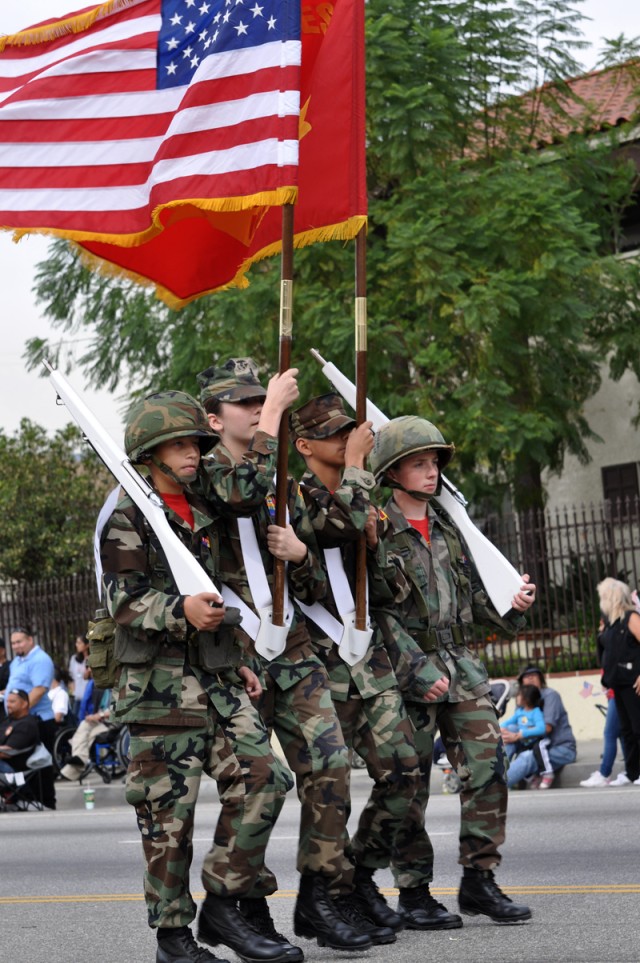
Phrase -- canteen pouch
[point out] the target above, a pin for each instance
(220, 649)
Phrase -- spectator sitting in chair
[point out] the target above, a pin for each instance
(561, 744)
(92, 726)
(19, 732)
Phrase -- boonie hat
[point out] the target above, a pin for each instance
(320, 418)
(236, 380)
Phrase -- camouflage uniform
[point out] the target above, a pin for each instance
(445, 599)
(367, 699)
(296, 703)
(185, 720)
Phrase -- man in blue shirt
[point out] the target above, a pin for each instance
(32, 670)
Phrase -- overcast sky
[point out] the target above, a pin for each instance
(24, 394)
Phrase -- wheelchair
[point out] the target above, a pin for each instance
(109, 756)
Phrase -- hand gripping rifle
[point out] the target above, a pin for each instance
(190, 577)
(501, 580)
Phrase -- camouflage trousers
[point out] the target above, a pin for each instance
(163, 781)
(471, 734)
(379, 729)
(304, 719)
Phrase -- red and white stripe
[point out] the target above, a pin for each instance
(89, 147)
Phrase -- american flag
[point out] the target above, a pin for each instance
(118, 118)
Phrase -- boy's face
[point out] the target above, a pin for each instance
(236, 421)
(418, 472)
(326, 451)
(181, 455)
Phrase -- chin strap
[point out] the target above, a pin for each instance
(164, 468)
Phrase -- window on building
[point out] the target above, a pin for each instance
(620, 485)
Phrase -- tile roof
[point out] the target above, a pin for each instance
(597, 101)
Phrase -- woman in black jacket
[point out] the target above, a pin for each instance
(619, 646)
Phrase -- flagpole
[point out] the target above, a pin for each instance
(284, 363)
(361, 405)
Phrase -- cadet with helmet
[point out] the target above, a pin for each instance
(445, 598)
(185, 692)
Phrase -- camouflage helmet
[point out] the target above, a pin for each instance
(404, 436)
(163, 416)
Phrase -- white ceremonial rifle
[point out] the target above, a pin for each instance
(500, 579)
(190, 577)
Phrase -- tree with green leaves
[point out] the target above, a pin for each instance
(51, 490)
(492, 277)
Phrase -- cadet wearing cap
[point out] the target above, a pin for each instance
(297, 703)
(445, 599)
(369, 705)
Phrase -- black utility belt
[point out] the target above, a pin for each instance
(430, 639)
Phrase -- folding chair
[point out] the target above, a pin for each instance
(23, 790)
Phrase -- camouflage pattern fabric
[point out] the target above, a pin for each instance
(404, 436)
(163, 416)
(184, 720)
(379, 729)
(319, 418)
(338, 519)
(471, 733)
(368, 703)
(163, 781)
(303, 718)
(307, 580)
(445, 590)
(236, 380)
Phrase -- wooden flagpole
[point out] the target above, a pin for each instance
(284, 363)
(361, 405)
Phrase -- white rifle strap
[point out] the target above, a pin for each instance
(352, 643)
(106, 512)
(270, 640)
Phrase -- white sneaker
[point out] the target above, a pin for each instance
(621, 780)
(596, 779)
(636, 782)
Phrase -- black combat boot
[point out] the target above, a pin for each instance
(480, 895)
(317, 918)
(372, 903)
(421, 911)
(178, 946)
(350, 911)
(256, 911)
(221, 921)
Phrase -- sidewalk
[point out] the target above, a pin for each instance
(71, 797)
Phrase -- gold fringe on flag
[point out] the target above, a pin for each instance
(59, 28)
(344, 231)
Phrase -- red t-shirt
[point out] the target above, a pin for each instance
(180, 505)
(421, 525)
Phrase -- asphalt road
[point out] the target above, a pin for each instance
(70, 881)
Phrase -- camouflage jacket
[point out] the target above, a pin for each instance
(445, 591)
(339, 519)
(306, 581)
(161, 682)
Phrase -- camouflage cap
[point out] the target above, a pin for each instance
(319, 418)
(236, 380)
(163, 416)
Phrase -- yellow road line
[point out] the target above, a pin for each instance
(613, 889)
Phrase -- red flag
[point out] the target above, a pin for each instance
(211, 152)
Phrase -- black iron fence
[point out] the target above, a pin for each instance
(566, 551)
(56, 610)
